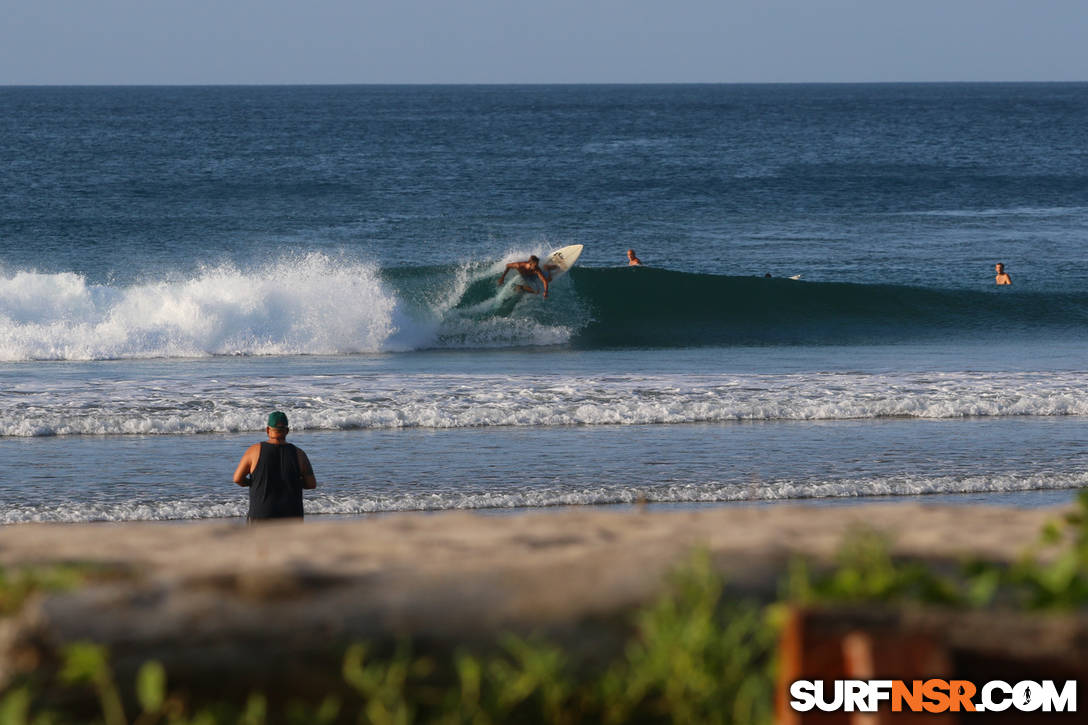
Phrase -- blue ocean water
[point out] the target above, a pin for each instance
(177, 261)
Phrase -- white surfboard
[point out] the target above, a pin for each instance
(562, 260)
(554, 266)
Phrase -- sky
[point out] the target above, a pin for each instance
(50, 42)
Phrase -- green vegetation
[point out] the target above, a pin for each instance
(696, 655)
(1051, 576)
(18, 583)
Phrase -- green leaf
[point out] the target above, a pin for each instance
(329, 710)
(84, 662)
(1051, 533)
(151, 686)
(256, 711)
(15, 707)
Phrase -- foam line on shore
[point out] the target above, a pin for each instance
(163, 406)
(319, 503)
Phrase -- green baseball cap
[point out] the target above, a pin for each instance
(276, 419)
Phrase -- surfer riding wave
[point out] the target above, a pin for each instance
(531, 271)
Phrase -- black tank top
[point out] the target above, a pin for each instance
(276, 488)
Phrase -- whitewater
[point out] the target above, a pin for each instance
(312, 304)
(350, 400)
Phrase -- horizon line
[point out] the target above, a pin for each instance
(285, 84)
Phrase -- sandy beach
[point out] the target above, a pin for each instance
(519, 567)
(447, 577)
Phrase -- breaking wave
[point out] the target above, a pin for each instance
(322, 305)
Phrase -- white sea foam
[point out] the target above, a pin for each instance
(311, 304)
(161, 405)
(215, 507)
(709, 492)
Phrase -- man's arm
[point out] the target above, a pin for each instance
(247, 465)
(511, 265)
(307, 471)
(544, 280)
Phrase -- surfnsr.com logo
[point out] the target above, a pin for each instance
(933, 696)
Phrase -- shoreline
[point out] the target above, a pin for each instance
(1025, 500)
(840, 463)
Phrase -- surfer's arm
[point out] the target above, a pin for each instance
(509, 266)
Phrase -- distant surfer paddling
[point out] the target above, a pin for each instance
(1002, 277)
(530, 271)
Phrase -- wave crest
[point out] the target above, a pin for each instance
(307, 305)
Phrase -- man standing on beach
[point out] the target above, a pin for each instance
(275, 472)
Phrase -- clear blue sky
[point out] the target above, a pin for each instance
(539, 41)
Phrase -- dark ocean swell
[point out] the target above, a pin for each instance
(662, 308)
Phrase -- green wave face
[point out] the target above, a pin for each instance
(667, 308)
(644, 307)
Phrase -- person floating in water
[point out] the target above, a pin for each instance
(530, 271)
(1002, 276)
(632, 260)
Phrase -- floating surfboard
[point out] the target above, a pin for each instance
(562, 260)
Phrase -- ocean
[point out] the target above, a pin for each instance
(177, 262)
